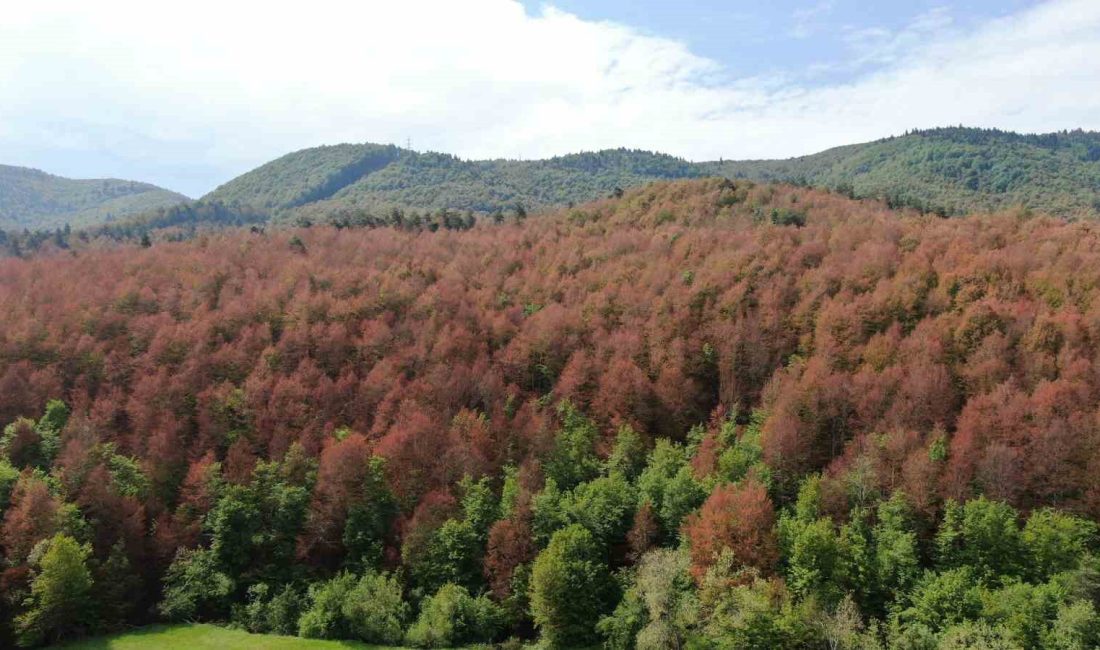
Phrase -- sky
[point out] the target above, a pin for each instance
(189, 95)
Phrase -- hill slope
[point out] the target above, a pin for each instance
(950, 171)
(323, 180)
(33, 199)
(640, 385)
(953, 171)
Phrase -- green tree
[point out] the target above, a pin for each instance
(570, 588)
(550, 512)
(620, 628)
(452, 554)
(738, 609)
(195, 588)
(117, 589)
(368, 608)
(480, 507)
(977, 635)
(815, 558)
(324, 618)
(984, 535)
(944, 599)
(1056, 542)
(664, 583)
(897, 552)
(127, 477)
(375, 609)
(271, 611)
(61, 604)
(9, 475)
(669, 484)
(49, 427)
(369, 519)
(509, 492)
(254, 527)
(452, 617)
(745, 452)
(628, 455)
(1024, 610)
(573, 459)
(1076, 627)
(605, 506)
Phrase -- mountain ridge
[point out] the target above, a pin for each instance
(949, 171)
(35, 199)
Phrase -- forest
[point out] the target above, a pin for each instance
(34, 200)
(707, 414)
(947, 171)
(953, 171)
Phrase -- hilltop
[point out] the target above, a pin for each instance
(350, 177)
(33, 199)
(952, 171)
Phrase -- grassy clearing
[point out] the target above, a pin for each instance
(207, 637)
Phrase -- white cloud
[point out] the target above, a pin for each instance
(196, 92)
(877, 45)
(807, 20)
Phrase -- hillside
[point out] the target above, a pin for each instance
(950, 172)
(947, 171)
(707, 413)
(373, 178)
(953, 171)
(34, 200)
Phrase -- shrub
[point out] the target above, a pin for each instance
(453, 617)
(195, 587)
(370, 608)
(271, 612)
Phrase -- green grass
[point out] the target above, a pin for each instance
(207, 637)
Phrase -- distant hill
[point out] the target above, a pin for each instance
(322, 180)
(950, 171)
(35, 200)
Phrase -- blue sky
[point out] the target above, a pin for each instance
(188, 95)
(818, 42)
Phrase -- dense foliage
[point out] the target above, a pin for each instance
(709, 414)
(370, 181)
(945, 171)
(190, 220)
(953, 171)
(305, 176)
(36, 200)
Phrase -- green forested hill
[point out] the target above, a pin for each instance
(305, 176)
(33, 199)
(317, 182)
(950, 171)
(953, 171)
